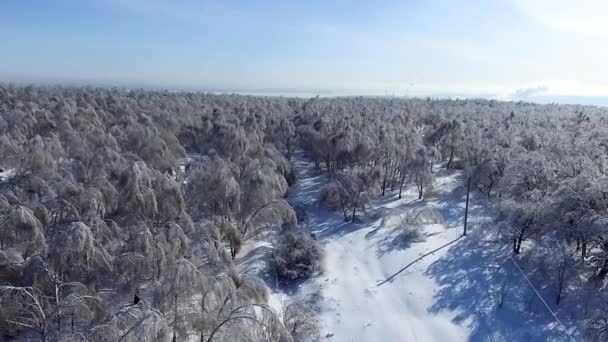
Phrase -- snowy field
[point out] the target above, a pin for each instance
(378, 286)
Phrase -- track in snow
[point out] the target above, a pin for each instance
(448, 295)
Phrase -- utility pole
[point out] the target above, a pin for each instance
(466, 208)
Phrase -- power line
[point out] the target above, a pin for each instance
(542, 299)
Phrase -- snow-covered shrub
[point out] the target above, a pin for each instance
(332, 196)
(409, 231)
(427, 216)
(416, 217)
(296, 256)
(410, 234)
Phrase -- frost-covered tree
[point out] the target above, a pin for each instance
(111, 189)
(300, 319)
(296, 256)
(133, 323)
(174, 296)
(24, 309)
(420, 171)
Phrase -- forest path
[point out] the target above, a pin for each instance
(357, 257)
(376, 286)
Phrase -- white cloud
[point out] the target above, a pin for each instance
(523, 93)
(581, 16)
(564, 87)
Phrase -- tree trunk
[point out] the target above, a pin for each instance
(560, 288)
(174, 317)
(385, 179)
(401, 185)
(383, 185)
(451, 158)
(354, 212)
(466, 207)
(520, 239)
(584, 249)
(233, 250)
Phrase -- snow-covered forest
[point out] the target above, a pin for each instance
(160, 216)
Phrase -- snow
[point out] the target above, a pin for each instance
(357, 305)
(255, 260)
(6, 174)
(379, 287)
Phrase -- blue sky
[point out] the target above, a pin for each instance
(500, 48)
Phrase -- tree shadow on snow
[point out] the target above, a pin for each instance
(474, 278)
(451, 205)
(306, 191)
(397, 234)
(258, 262)
(387, 203)
(330, 226)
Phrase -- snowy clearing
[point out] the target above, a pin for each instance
(379, 286)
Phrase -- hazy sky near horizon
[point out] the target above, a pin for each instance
(518, 49)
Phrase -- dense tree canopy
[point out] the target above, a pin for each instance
(107, 195)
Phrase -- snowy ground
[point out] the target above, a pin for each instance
(376, 287)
